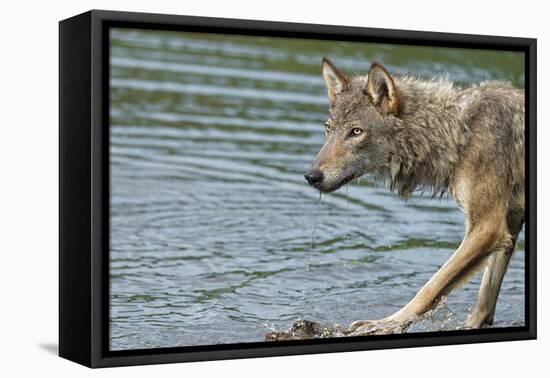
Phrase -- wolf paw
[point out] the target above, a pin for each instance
(378, 327)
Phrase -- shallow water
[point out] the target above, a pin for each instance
(212, 221)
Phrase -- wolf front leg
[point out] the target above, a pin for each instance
(489, 289)
(494, 274)
(480, 240)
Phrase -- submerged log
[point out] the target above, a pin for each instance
(307, 329)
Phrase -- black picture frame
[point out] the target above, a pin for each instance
(84, 188)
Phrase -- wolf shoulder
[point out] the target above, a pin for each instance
(492, 97)
(494, 105)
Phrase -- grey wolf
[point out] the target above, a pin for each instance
(414, 133)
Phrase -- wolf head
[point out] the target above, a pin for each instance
(358, 132)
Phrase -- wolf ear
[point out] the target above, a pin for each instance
(335, 80)
(381, 89)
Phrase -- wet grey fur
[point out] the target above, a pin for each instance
(437, 122)
(432, 135)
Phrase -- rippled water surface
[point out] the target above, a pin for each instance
(211, 219)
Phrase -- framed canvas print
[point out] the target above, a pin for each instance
(233, 188)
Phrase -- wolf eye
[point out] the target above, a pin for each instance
(327, 127)
(356, 131)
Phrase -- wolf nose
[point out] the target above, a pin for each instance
(314, 176)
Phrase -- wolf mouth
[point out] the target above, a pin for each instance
(336, 186)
